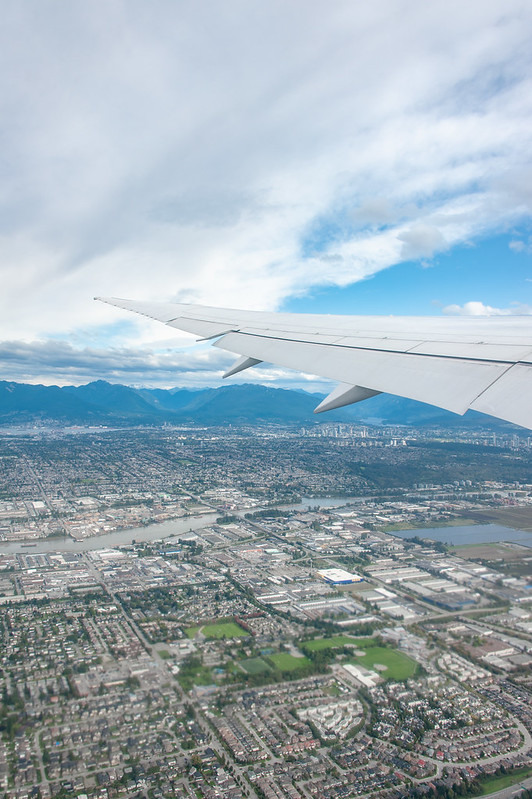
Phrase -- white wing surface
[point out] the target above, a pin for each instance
(454, 363)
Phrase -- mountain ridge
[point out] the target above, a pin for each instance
(103, 403)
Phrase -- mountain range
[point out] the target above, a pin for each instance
(100, 402)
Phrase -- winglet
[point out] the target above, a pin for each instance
(242, 363)
(344, 394)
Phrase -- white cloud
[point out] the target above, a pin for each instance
(479, 309)
(421, 241)
(189, 153)
(518, 245)
(376, 211)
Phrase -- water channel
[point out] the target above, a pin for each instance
(467, 534)
(150, 532)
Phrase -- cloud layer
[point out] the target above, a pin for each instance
(55, 362)
(240, 152)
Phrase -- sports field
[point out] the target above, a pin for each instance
(254, 665)
(398, 666)
(331, 643)
(221, 629)
(285, 662)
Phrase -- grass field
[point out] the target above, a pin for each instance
(519, 518)
(221, 629)
(334, 641)
(498, 783)
(198, 676)
(285, 662)
(164, 654)
(203, 676)
(398, 666)
(491, 551)
(458, 521)
(254, 665)
(488, 544)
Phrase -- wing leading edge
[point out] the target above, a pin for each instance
(457, 363)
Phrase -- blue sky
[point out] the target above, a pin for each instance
(488, 271)
(357, 158)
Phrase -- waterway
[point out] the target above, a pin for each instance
(470, 534)
(325, 502)
(467, 534)
(152, 532)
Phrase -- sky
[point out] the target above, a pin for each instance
(293, 155)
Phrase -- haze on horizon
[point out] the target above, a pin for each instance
(342, 158)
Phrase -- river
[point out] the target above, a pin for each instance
(467, 534)
(152, 532)
(325, 502)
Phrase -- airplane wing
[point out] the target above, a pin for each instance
(454, 363)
